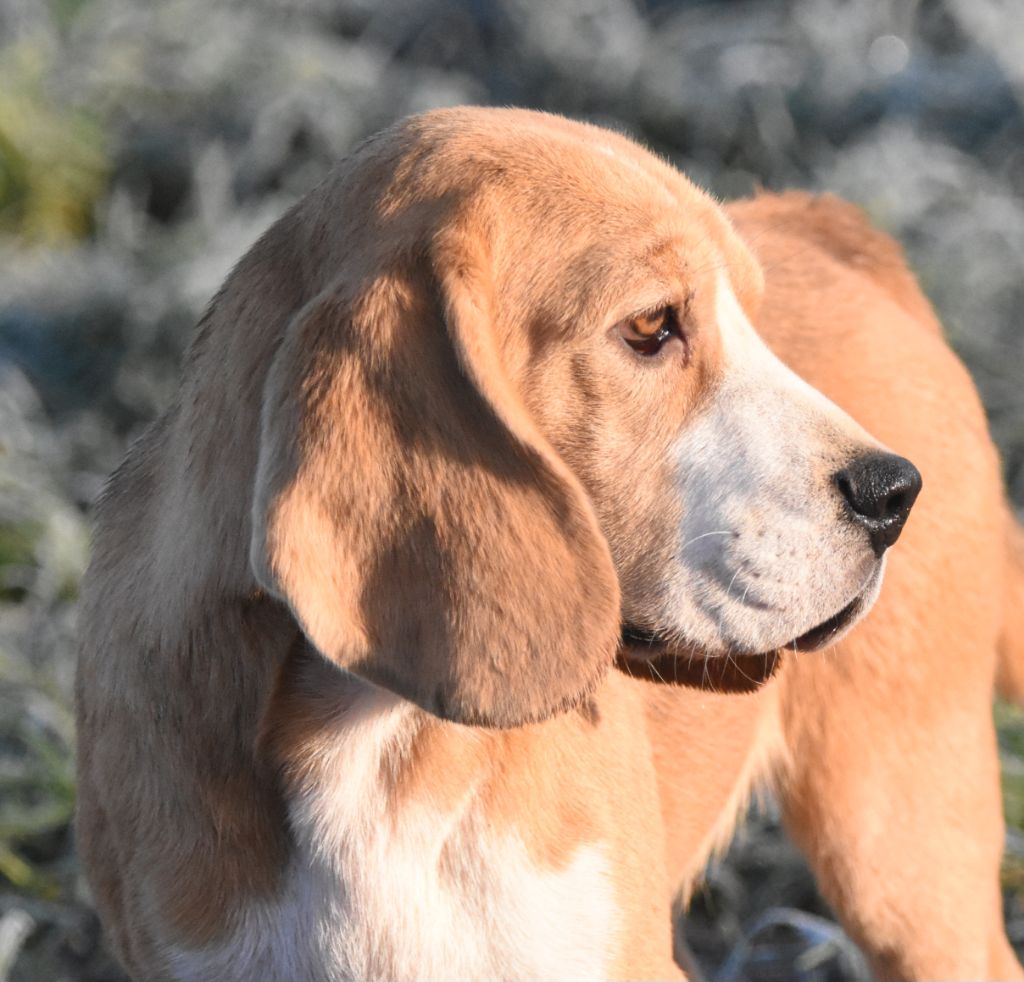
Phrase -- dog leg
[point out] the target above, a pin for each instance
(894, 796)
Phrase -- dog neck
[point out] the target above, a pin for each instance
(401, 864)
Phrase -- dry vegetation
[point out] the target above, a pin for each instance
(144, 145)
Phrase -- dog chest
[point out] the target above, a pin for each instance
(417, 888)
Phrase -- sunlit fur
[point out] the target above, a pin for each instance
(428, 891)
(764, 549)
(345, 707)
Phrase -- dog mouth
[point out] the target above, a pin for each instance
(821, 636)
(647, 654)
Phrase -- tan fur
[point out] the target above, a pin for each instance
(410, 451)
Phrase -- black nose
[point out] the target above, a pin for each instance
(880, 489)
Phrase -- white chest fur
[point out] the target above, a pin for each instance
(413, 892)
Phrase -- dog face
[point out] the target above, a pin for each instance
(529, 408)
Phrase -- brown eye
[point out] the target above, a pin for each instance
(647, 333)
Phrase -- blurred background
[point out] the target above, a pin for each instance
(144, 147)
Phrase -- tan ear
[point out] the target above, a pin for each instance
(424, 534)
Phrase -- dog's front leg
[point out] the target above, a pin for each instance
(894, 796)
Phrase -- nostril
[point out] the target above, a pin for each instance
(896, 504)
(879, 490)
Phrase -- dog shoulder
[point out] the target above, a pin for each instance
(842, 232)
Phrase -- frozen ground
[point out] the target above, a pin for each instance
(144, 145)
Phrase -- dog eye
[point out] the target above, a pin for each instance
(647, 333)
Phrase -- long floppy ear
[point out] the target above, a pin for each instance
(424, 534)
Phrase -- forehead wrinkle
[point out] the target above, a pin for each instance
(563, 297)
(660, 262)
(669, 245)
(619, 264)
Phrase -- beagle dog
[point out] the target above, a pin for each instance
(443, 624)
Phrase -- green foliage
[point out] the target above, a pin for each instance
(1010, 726)
(17, 551)
(53, 164)
(37, 780)
(18, 543)
(66, 10)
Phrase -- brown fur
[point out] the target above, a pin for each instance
(394, 397)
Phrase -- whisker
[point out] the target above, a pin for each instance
(750, 679)
(730, 659)
(703, 535)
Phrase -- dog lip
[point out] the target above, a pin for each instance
(818, 637)
(646, 643)
(640, 637)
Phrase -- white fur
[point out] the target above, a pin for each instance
(369, 894)
(765, 550)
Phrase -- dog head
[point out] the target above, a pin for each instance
(525, 406)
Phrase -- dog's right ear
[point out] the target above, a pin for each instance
(424, 534)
